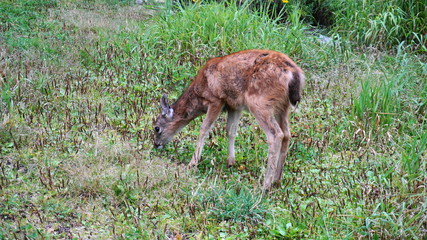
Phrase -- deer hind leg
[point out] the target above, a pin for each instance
(267, 121)
(232, 122)
(284, 125)
(211, 116)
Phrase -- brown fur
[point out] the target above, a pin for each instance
(262, 81)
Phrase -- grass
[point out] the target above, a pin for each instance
(81, 88)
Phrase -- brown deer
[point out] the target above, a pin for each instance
(262, 81)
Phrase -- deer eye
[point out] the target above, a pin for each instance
(157, 129)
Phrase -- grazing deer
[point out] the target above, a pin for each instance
(264, 82)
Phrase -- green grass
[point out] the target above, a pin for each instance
(82, 85)
(378, 24)
(383, 24)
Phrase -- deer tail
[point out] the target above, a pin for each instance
(295, 86)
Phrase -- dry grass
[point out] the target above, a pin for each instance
(76, 158)
(100, 17)
(100, 164)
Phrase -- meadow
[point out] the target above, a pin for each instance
(80, 85)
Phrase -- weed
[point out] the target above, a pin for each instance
(234, 203)
(80, 85)
(376, 105)
(412, 155)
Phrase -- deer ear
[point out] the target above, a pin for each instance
(167, 110)
(164, 101)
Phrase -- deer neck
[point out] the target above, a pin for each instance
(189, 106)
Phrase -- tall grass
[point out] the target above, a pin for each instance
(82, 87)
(222, 29)
(377, 104)
(381, 24)
(413, 157)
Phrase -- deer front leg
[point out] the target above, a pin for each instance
(232, 122)
(211, 116)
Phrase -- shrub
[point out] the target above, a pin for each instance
(366, 23)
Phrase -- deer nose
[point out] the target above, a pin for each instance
(158, 146)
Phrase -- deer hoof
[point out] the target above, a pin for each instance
(192, 164)
(230, 162)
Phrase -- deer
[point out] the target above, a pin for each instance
(264, 82)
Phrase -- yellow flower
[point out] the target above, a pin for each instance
(241, 167)
(285, 1)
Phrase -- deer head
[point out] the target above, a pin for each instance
(164, 128)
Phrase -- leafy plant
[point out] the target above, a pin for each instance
(234, 203)
(81, 88)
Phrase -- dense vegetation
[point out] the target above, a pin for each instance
(80, 86)
(383, 24)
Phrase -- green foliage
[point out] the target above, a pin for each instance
(376, 105)
(200, 30)
(24, 22)
(412, 156)
(381, 24)
(81, 88)
(234, 203)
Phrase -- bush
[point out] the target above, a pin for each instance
(366, 23)
(381, 24)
